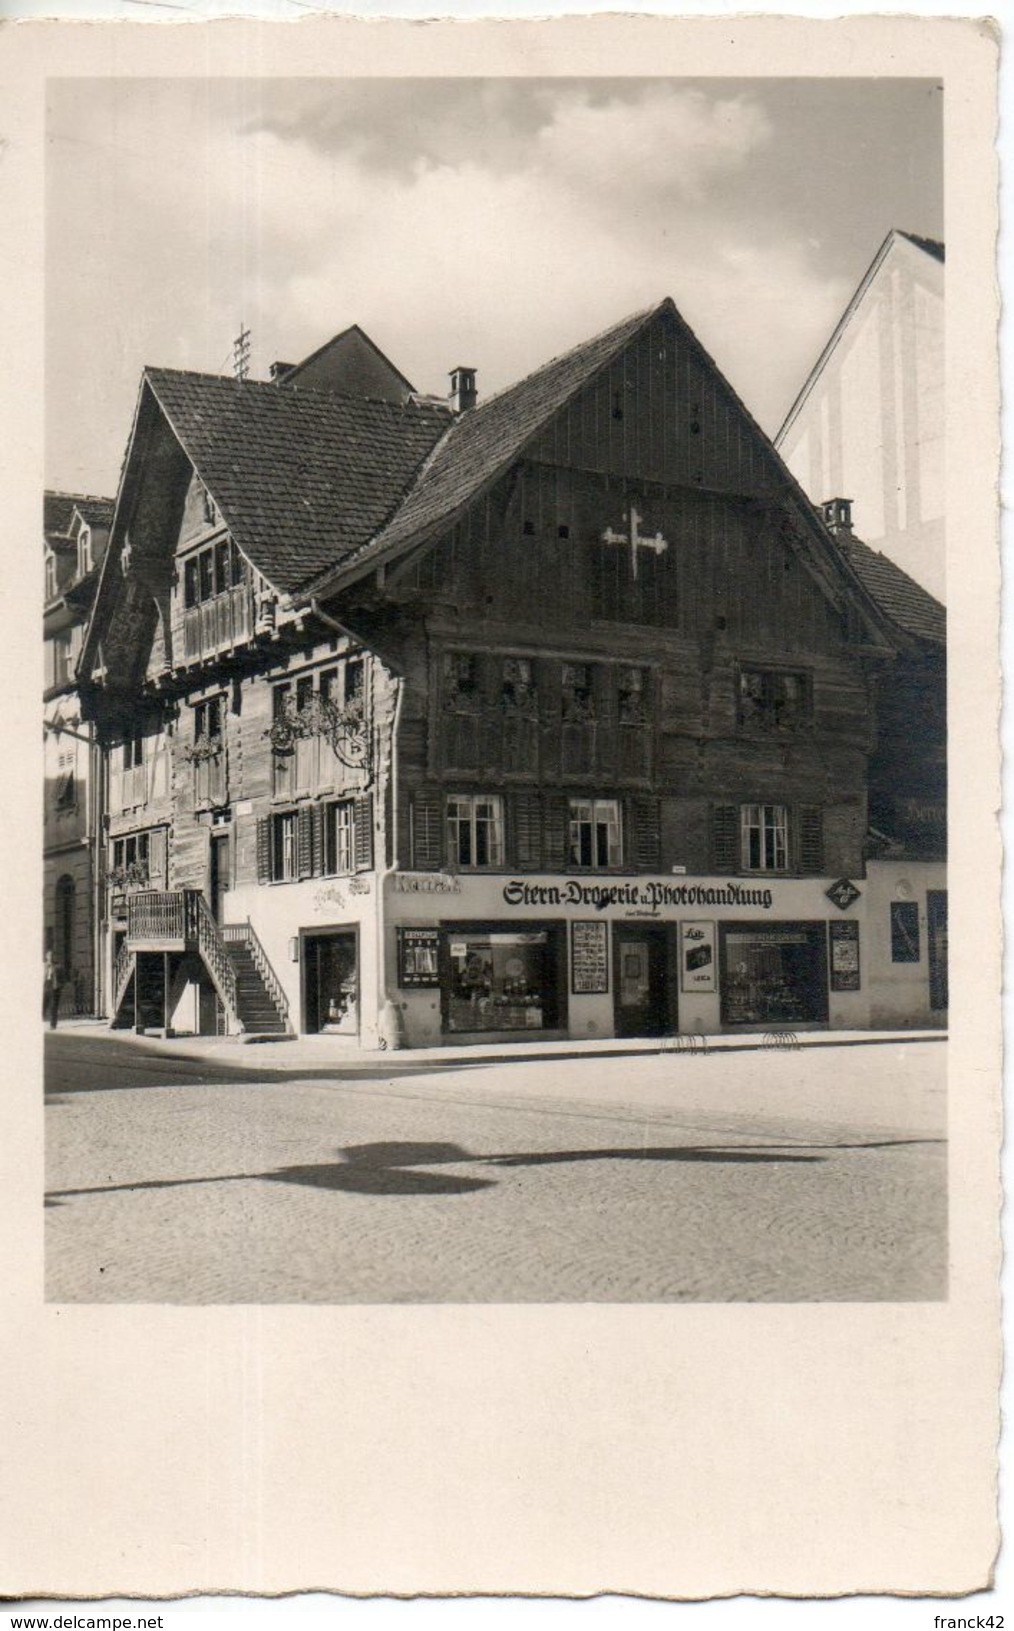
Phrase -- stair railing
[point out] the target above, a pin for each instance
(245, 934)
(123, 968)
(216, 959)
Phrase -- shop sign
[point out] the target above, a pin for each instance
(844, 933)
(426, 883)
(589, 957)
(843, 893)
(651, 894)
(418, 962)
(697, 956)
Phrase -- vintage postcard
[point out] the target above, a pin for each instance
(507, 921)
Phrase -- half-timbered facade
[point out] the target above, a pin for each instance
(548, 716)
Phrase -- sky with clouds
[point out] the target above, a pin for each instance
(488, 222)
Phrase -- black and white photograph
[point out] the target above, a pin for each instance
(513, 1103)
(496, 660)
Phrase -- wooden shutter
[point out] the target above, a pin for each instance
(364, 832)
(427, 831)
(304, 841)
(643, 848)
(264, 849)
(317, 840)
(811, 839)
(555, 831)
(157, 857)
(725, 838)
(527, 830)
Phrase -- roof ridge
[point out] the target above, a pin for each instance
(281, 391)
(78, 498)
(571, 351)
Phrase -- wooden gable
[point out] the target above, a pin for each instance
(650, 499)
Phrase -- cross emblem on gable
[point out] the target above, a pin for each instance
(634, 538)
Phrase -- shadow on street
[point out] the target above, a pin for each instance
(388, 1168)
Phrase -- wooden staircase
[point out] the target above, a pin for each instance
(260, 1000)
(178, 927)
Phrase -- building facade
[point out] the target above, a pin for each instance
(869, 421)
(75, 532)
(551, 716)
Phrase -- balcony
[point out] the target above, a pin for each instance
(218, 624)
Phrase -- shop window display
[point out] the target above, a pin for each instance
(774, 976)
(498, 982)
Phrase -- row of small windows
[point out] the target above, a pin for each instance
(316, 840)
(341, 685)
(756, 838)
(212, 571)
(583, 688)
(778, 699)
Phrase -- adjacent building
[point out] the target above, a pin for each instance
(869, 421)
(553, 715)
(75, 532)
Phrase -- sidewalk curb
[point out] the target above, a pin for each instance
(294, 1052)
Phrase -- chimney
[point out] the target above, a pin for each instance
(463, 393)
(837, 513)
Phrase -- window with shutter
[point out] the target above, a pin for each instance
(646, 851)
(304, 841)
(264, 850)
(427, 831)
(317, 840)
(811, 839)
(157, 858)
(725, 837)
(364, 832)
(555, 831)
(527, 830)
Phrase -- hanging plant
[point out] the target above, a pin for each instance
(132, 876)
(343, 727)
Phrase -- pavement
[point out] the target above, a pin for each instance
(197, 1172)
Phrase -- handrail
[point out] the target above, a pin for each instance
(212, 949)
(245, 934)
(123, 967)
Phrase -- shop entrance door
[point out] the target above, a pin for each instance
(639, 981)
(936, 927)
(331, 982)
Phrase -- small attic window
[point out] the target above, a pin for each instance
(208, 506)
(50, 576)
(528, 528)
(84, 551)
(563, 531)
(617, 406)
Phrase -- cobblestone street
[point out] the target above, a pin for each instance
(818, 1174)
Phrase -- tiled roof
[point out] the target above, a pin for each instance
(486, 440)
(907, 604)
(930, 245)
(302, 478)
(58, 512)
(96, 512)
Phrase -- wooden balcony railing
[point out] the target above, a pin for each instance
(179, 918)
(226, 620)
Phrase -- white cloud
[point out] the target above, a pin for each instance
(172, 220)
(671, 144)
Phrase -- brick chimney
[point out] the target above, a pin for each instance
(837, 513)
(463, 392)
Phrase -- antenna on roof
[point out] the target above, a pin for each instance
(241, 352)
